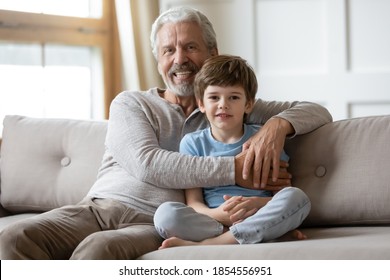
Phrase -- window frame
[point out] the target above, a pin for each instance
(24, 27)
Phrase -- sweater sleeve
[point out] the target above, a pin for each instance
(139, 142)
(303, 116)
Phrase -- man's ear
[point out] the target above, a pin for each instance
(201, 106)
(159, 69)
(214, 52)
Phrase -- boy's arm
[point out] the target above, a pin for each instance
(194, 199)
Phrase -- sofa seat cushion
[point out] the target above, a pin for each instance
(48, 163)
(338, 243)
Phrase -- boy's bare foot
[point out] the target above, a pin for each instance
(175, 242)
(293, 235)
(226, 238)
(298, 234)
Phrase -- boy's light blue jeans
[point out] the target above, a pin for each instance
(285, 212)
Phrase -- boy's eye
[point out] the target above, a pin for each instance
(213, 97)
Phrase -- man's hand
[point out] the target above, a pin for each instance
(263, 152)
(283, 180)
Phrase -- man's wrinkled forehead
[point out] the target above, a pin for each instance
(179, 33)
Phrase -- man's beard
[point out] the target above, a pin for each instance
(183, 90)
(186, 88)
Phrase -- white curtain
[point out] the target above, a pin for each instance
(135, 19)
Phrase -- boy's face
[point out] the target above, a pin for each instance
(225, 108)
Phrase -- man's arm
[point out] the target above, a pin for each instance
(282, 119)
(302, 116)
(135, 138)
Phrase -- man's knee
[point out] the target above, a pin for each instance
(122, 244)
(20, 241)
(8, 237)
(9, 233)
(95, 247)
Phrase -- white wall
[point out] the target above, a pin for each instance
(333, 52)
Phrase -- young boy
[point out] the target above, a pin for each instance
(225, 89)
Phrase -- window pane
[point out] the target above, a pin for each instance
(51, 81)
(67, 91)
(20, 54)
(67, 55)
(75, 8)
(21, 90)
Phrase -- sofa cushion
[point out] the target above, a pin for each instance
(47, 163)
(344, 167)
(336, 243)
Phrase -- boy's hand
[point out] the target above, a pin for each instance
(239, 208)
(221, 215)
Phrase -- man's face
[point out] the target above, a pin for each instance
(181, 53)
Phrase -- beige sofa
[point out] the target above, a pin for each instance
(343, 166)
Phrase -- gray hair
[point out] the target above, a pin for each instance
(184, 14)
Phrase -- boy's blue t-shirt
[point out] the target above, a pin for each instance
(202, 143)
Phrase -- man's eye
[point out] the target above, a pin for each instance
(191, 47)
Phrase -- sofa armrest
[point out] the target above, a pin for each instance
(3, 212)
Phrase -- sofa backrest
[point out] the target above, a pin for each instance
(47, 163)
(344, 167)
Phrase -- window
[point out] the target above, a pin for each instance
(74, 8)
(51, 81)
(56, 58)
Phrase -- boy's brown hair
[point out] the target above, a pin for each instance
(226, 70)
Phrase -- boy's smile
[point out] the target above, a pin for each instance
(223, 116)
